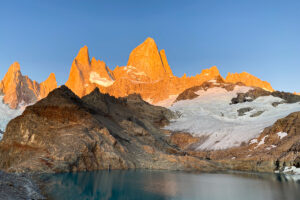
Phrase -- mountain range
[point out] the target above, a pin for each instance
(146, 73)
(142, 116)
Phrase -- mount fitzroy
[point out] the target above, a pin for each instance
(147, 73)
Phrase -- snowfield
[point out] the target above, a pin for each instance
(95, 78)
(6, 114)
(212, 115)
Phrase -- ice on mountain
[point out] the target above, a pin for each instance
(6, 114)
(212, 115)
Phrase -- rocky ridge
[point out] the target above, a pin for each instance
(18, 89)
(258, 92)
(147, 73)
(219, 82)
(248, 80)
(63, 133)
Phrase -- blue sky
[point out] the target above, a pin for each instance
(260, 37)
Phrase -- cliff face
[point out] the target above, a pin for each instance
(79, 74)
(147, 73)
(47, 86)
(86, 74)
(146, 58)
(18, 89)
(248, 80)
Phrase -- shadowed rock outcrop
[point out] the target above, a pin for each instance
(62, 133)
(190, 93)
(258, 92)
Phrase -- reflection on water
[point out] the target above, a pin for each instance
(169, 185)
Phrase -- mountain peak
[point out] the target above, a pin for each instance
(12, 76)
(150, 40)
(51, 78)
(15, 67)
(146, 58)
(80, 71)
(48, 85)
(21, 89)
(83, 56)
(213, 70)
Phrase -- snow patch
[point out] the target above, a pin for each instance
(270, 147)
(212, 114)
(134, 71)
(292, 173)
(212, 81)
(262, 141)
(282, 134)
(253, 141)
(291, 170)
(95, 78)
(140, 73)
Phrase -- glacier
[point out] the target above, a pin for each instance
(213, 116)
(6, 114)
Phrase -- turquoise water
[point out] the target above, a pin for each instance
(165, 185)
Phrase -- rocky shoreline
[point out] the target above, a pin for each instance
(18, 186)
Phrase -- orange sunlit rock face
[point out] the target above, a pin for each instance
(79, 74)
(146, 58)
(18, 89)
(86, 74)
(248, 80)
(147, 73)
(47, 86)
(163, 56)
